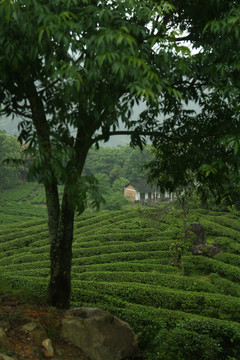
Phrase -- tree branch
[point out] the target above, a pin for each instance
(49, 86)
(124, 132)
(183, 38)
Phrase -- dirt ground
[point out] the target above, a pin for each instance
(15, 313)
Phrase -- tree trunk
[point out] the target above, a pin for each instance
(60, 222)
(59, 290)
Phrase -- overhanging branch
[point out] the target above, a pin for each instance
(125, 132)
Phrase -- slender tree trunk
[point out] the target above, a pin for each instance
(60, 221)
(59, 290)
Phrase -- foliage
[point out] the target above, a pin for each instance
(78, 70)
(10, 173)
(179, 344)
(119, 264)
(202, 147)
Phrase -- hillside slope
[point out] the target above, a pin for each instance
(122, 262)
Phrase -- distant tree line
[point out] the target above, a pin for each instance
(113, 167)
(11, 172)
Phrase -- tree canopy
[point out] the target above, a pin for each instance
(203, 148)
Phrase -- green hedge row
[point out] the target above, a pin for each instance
(166, 280)
(96, 259)
(104, 224)
(38, 239)
(121, 223)
(126, 266)
(19, 193)
(36, 285)
(142, 235)
(5, 229)
(34, 231)
(108, 216)
(225, 286)
(226, 221)
(228, 258)
(127, 247)
(29, 210)
(112, 231)
(206, 266)
(148, 321)
(211, 305)
(12, 253)
(12, 220)
(125, 236)
(226, 244)
(206, 212)
(34, 272)
(127, 256)
(41, 264)
(214, 229)
(24, 258)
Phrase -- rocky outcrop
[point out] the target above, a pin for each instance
(4, 342)
(48, 351)
(99, 334)
(199, 245)
(199, 232)
(35, 330)
(5, 357)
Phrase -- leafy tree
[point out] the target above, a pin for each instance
(103, 183)
(132, 168)
(117, 162)
(71, 70)
(115, 200)
(201, 150)
(9, 172)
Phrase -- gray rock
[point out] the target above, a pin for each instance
(199, 245)
(36, 331)
(199, 231)
(99, 334)
(4, 342)
(213, 249)
(5, 357)
(47, 348)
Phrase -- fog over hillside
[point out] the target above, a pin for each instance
(11, 126)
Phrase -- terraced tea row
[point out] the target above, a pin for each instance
(122, 262)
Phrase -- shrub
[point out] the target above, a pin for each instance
(206, 266)
(227, 258)
(180, 344)
(156, 278)
(225, 286)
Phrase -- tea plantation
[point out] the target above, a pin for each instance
(123, 262)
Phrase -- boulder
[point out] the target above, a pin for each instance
(99, 334)
(199, 231)
(4, 342)
(212, 250)
(35, 330)
(48, 351)
(199, 245)
(5, 357)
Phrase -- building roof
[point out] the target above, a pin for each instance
(142, 186)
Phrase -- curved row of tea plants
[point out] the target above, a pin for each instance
(122, 262)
